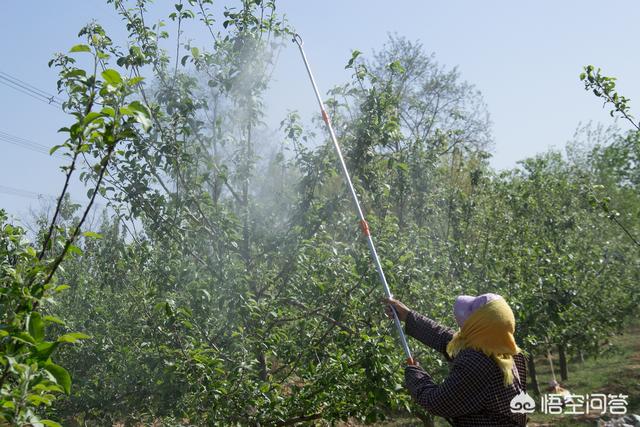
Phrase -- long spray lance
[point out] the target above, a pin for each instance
(364, 226)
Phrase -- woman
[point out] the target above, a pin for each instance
(487, 368)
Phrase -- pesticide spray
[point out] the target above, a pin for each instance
(364, 226)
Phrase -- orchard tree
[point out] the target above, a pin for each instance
(103, 117)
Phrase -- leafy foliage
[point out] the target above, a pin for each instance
(29, 378)
(227, 284)
(605, 87)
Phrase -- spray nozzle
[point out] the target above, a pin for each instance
(297, 39)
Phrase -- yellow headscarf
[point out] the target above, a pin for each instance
(490, 330)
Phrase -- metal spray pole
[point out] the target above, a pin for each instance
(364, 226)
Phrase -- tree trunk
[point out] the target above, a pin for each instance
(262, 360)
(532, 374)
(551, 368)
(564, 374)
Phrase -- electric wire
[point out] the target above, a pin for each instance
(43, 96)
(28, 85)
(12, 191)
(26, 143)
(28, 89)
(19, 192)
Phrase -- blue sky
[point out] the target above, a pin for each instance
(524, 57)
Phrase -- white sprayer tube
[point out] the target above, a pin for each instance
(363, 222)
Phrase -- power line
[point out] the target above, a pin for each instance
(23, 86)
(28, 89)
(12, 191)
(26, 143)
(6, 83)
(31, 87)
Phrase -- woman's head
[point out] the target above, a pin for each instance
(465, 305)
(487, 324)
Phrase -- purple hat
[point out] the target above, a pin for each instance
(466, 304)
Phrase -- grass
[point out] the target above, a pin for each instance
(616, 372)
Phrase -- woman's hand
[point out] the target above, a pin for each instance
(401, 309)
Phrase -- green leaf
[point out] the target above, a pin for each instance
(167, 309)
(125, 111)
(54, 319)
(60, 374)
(60, 289)
(403, 166)
(54, 149)
(74, 250)
(36, 327)
(40, 399)
(48, 387)
(143, 120)
(50, 423)
(139, 106)
(396, 67)
(141, 114)
(111, 76)
(135, 80)
(354, 56)
(92, 235)
(91, 117)
(75, 73)
(73, 337)
(80, 48)
(108, 111)
(24, 337)
(45, 349)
